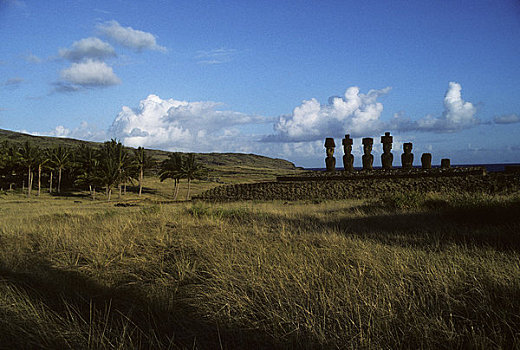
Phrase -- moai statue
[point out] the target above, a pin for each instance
(368, 158)
(407, 156)
(348, 158)
(387, 157)
(426, 161)
(330, 161)
(445, 163)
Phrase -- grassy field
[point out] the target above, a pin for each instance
(401, 271)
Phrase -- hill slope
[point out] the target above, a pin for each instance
(223, 163)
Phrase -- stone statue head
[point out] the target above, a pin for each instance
(367, 145)
(387, 142)
(329, 145)
(407, 147)
(426, 160)
(347, 144)
(329, 142)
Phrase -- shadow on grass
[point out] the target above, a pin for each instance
(493, 225)
(462, 226)
(124, 316)
(75, 193)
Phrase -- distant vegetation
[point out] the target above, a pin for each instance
(38, 163)
(109, 166)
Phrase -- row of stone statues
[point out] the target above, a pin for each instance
(387, 157)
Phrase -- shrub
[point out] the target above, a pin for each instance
(403, 201)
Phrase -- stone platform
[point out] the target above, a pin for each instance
(384, 174)
(339, 187)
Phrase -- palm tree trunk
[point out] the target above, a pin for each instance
(175, 189)
(119, 184)
(29, 182)
(50, 183)
(109, 194)
(39, 179)
(141, 181)
(59, 180)
(125, 190)
(188, 193)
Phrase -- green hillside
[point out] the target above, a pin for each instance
(223, 163)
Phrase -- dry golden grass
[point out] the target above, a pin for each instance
(401, 272)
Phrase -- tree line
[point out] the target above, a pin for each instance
(109, 167)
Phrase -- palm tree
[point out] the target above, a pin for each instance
(111, 165)
(8, 161)
(61, 157)
(27, 156)
(124, 165)
(50, 166)
(108, 174)
(142, 161)
(87, 161)
(191, 170)
(171, 168)
(43, 159)
(128, 171)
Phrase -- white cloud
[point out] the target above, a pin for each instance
(355, 113)
(458, 115)
(180, 125)
(216, 56)
(128, 37)
(90, 73)
(82, 132)
(31, 58)
(88, 48)
(506, 119)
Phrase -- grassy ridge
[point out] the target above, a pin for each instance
(222, 163)
(407, 270)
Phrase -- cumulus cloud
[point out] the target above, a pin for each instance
(354, 113)
(128, 37)
(360, 115)
(458, 115)
(88, 48)
(507, 119)
(89, 73)
(180, 125)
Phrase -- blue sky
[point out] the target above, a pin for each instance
(267, 77)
